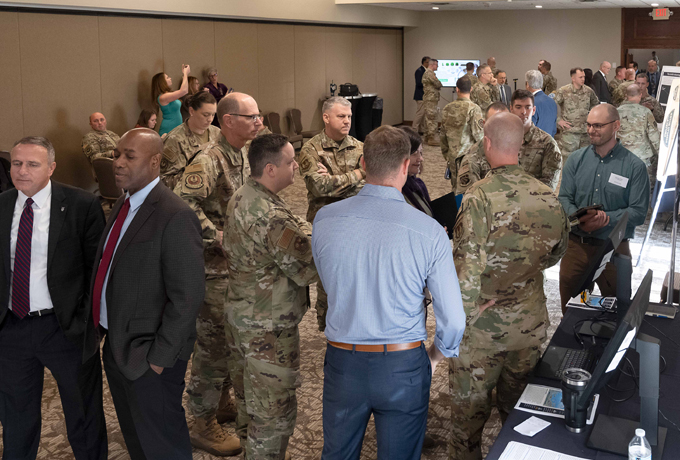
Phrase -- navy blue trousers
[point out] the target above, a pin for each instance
(393, 386)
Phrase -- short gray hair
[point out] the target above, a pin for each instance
(481, 68)
(211, 71)
(330, 102)
(534, 78)
(40, 142)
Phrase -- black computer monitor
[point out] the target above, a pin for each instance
(612, 434)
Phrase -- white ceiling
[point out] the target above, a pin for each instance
(519, 4)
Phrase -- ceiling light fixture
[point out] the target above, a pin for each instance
(655, 4)
(435, 7)
(539, 6)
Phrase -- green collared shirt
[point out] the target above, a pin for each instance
(619, 182)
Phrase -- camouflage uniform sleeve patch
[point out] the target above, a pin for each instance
(193, 180)
(286, 237)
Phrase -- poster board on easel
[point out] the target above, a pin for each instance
(668, 75)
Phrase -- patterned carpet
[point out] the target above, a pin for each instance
(307, 441)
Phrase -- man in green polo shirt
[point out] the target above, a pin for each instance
(603, 173)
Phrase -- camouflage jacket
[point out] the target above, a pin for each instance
(639, 132)
(99, 144)
(462, 126)
(473, 78)
(575, 104)
(614, 84)
(179, 148)
(619, 95)
(269, 255)
(652, 104)
(549, 83)
(484, 95)
(431, 86)
(340, 161)
(510, 228)
(206, 185)
(539, 156)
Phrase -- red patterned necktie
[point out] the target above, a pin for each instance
(106, 261)
(21, 278)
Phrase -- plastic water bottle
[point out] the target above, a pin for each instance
(639, 448)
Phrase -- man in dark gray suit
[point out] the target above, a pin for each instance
(48, 240)
(418, 94)
(503, 87)
(600, 83)
(146, 295)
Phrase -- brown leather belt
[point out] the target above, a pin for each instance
(586, 240)
(377, 348)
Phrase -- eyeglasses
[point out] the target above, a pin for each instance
(252, 118)
(598, 126)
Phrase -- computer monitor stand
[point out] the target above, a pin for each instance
(612, 434)
(624, 271)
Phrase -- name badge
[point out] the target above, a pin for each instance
(618, 180)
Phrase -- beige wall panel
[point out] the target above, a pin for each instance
(61, 85)
(364, 70)
(388, 74)
(11, 112)
(338, 56)
(188, 42)
(276, 69)
(310, 74)
(236, 56)
(131, 53)
(563, 37)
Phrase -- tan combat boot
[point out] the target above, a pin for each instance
(209, 436)
(226, 409)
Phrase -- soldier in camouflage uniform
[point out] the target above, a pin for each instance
(619, 78)
(216, 172)
(648, 101)
(574, 102)
(462, 126)
(270, 264)
(431, 87)
(99, 143)
(472, 165)
(485, 92)
(539, 155)
(639, 132)
(182, 143)
(619, 94)
(470, 73)
(500, 253)
(549, 81)
(329, 164)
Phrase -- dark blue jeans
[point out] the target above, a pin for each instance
(393, 386)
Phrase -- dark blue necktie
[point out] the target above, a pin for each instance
(21, 279)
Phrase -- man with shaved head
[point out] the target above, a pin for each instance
(100, 142)
(619, 94)
(500, 253)
(147, 291)
(219, 169)
(491, 62)
(604, 173)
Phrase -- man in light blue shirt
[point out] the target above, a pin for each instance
(376, 361)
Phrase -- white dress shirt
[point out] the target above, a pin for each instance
(136, 201)
(39, 293)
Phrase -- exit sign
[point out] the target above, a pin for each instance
(661, 13)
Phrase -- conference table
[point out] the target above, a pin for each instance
(557, 438)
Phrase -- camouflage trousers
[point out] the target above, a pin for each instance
(321, 306)
(569, 143)
(209, 370)
(265, 369)
(431, 123)
(472, 378)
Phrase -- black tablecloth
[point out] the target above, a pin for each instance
(557, 438)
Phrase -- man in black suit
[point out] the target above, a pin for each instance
(147, 292)
(48, 240)
(600, 83)
(418, 94)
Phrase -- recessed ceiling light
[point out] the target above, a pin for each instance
(539, 6)
(655, 4)
(435, 7)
